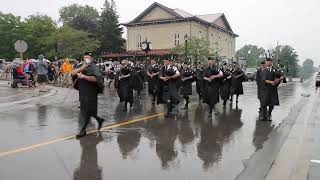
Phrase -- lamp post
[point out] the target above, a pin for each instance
(186, 44)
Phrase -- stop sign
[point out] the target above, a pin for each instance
(21, 46)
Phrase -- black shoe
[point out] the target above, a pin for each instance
(131, 105)
(210, 114)
(100, 122)
(153, 103)
(81, 134)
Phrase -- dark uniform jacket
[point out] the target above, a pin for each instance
(186, 86)
(270, 96)
(237, 82)
(170, 87)
(261, 82)
(211, 89)
(225, 89)
(153, 83)
(124, 86)
(138, 78)
(88, 91)
(199, 81)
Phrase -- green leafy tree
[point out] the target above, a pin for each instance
(109, 29)
(10, 31)
(74, 42)
(308, 67)
(36, 29)
(85, 18)
(288, 58)
(198, 49)
(252, 53)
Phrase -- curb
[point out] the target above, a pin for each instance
(52, 92)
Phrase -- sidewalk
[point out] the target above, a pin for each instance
(299, 156)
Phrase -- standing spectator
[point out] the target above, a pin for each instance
(66, 70)
(52, 73)
(42, 73)
(2, 69)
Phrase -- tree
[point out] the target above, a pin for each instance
(36, 29)
(10, 32)
(252, 53)
(288, 57)
(74, 42)
(307, 67)
(85, 18)
(109, 29)
(197, 49)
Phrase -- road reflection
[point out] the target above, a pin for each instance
(89, 168)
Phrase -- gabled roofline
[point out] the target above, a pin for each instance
(226, 21)
(178, 18)
(164, 21)
(154, 5)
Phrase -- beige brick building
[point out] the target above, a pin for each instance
(165, 28)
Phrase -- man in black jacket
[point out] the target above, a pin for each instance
(269, 97)
(261, 84)
(169, 77)
(89, 83)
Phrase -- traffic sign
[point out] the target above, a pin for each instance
(21, 46)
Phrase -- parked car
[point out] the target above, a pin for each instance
(251, 73)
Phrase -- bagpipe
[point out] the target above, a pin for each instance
(187, 72)
(155, 69)
(139, 67)
(126, 69)
(170, 70)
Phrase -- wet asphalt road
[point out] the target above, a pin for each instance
(187, 146)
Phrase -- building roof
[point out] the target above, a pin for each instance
(181, 15)
(210, 18)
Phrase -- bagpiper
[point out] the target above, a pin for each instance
(187, 78)
(169, 76)
(123, 84)
(212, 75)
(154, 81)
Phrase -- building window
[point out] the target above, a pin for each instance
(200, 35)
(176, 39)
(139, 41)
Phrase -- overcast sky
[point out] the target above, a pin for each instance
(260, 22)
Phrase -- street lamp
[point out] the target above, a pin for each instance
(186, 44)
